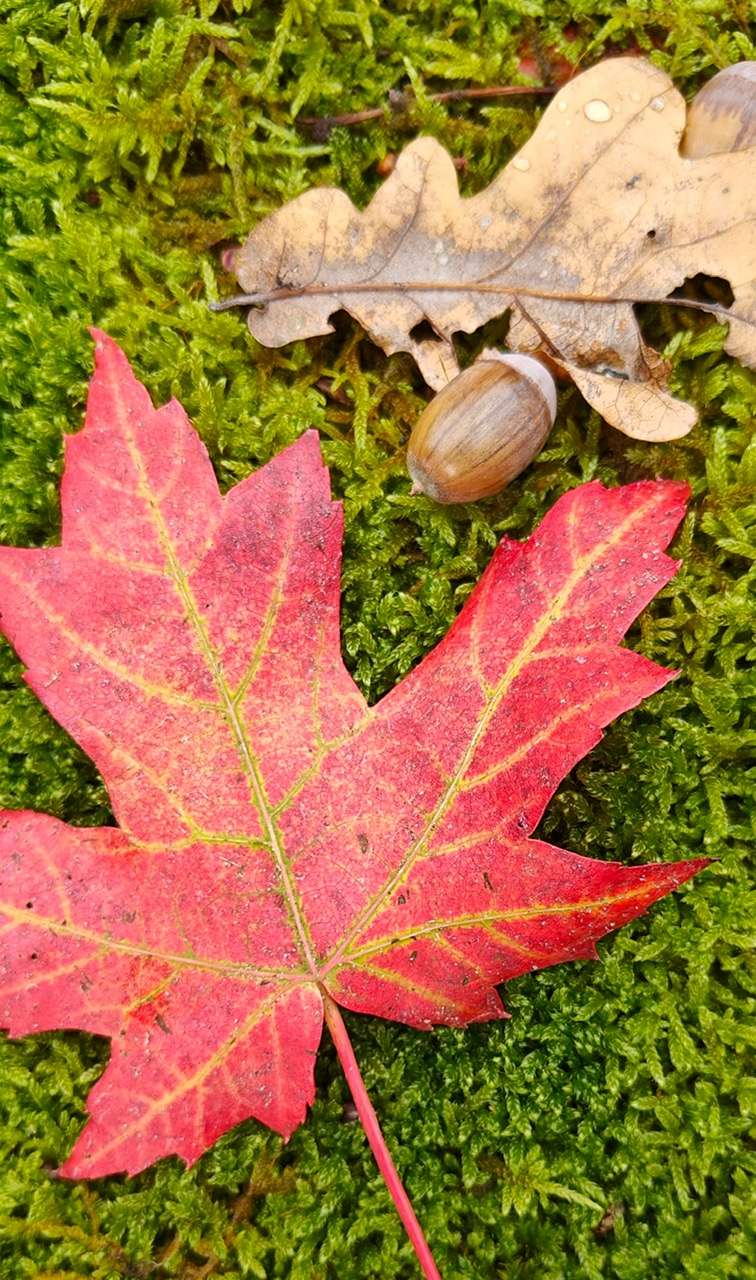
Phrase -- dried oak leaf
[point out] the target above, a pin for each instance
(280, 843)
(596, 212)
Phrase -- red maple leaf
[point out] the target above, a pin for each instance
(280, 844)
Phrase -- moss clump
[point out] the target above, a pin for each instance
(607, 1130)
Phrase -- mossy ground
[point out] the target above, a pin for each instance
(608, 1129)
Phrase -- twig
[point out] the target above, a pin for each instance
(367, 1115)
(497, 91)
(399, 102)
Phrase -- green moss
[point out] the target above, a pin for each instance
(607, 1129)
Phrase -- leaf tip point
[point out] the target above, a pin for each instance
(678, 491)
(100, 338)
(106, 349)
(309, 445)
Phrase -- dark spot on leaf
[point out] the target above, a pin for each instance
(651, 235)
(363, 841)
(487, 882)
(401, 899)
(34, 955)
(29, 906)
(413, 956)
(633, 182)
(465, 982)
(160, 1020)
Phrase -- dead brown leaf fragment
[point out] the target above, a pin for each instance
(598, 211)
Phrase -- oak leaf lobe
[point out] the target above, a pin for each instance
(596, 212)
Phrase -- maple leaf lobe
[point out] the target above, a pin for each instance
(278, 838)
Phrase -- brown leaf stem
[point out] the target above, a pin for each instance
(454, 286)
(340, 1037)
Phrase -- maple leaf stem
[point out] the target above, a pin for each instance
(369, 1119)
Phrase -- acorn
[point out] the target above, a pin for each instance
(722, 116)
(483, 429)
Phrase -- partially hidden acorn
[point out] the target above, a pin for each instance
(722, 116)
(483, 429)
